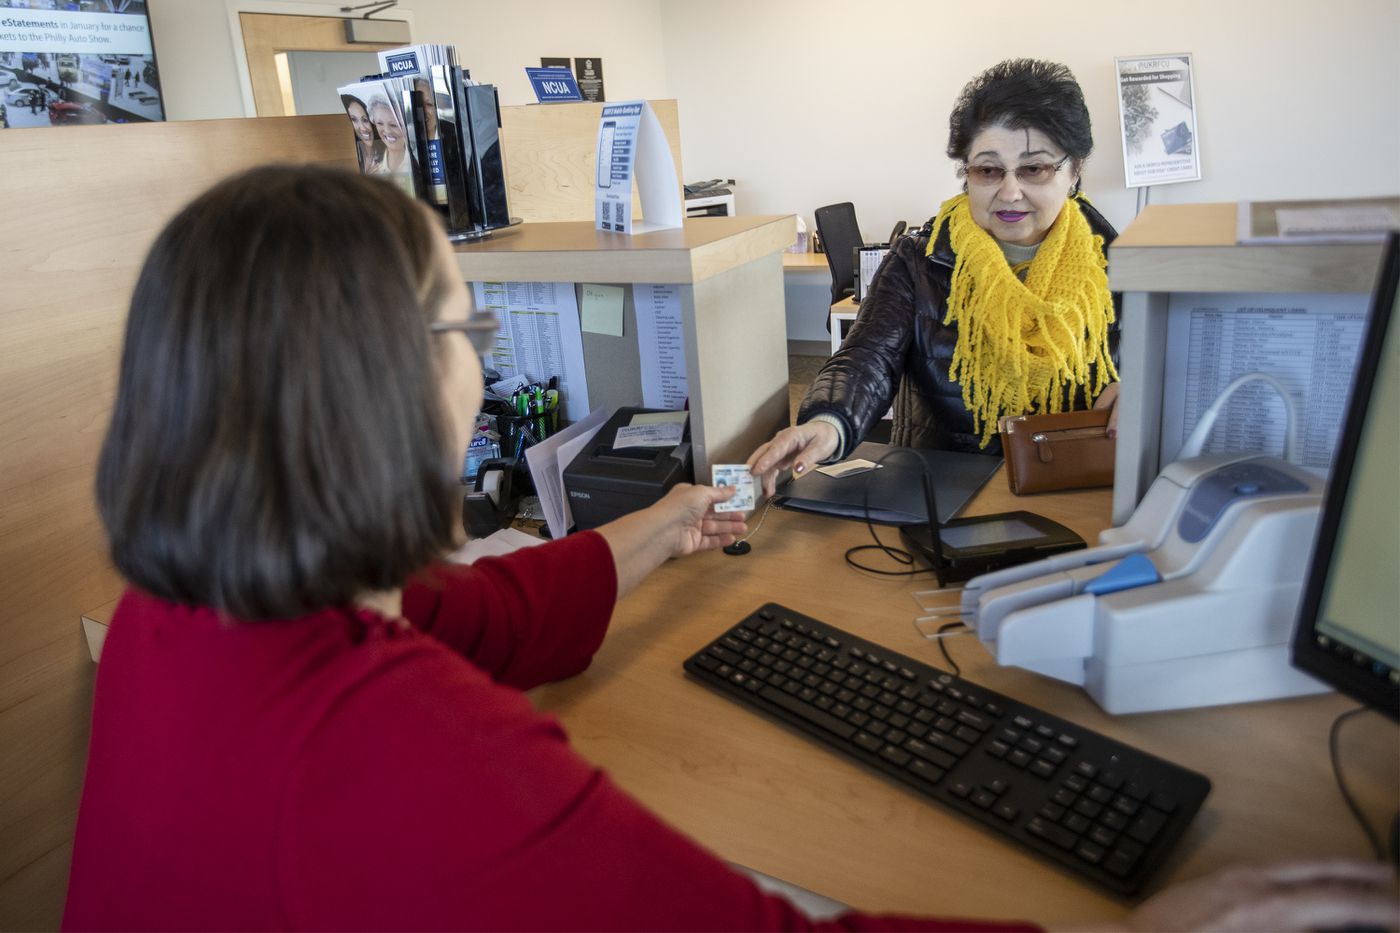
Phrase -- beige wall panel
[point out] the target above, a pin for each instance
(86, 203)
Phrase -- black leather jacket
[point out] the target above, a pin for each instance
(899, 342)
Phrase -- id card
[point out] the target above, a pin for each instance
(737, 475)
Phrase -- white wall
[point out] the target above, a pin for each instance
(496, 40)
(808, 102)
(198, 76)
(812, 102)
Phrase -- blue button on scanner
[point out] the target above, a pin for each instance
(1132, 571)
(1248, 489)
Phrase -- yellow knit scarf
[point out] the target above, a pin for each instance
(1022, 347)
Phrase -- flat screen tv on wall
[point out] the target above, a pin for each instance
(65, 62)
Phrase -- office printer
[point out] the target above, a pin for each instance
(605, 482)
(713, 198)
(1190, 603)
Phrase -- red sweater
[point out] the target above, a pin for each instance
(342, 771)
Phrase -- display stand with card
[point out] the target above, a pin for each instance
(631, 141)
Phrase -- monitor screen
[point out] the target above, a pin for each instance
(1349, 626)
(66, 62)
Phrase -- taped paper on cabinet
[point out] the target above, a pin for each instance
(540, 337)
(661, 343)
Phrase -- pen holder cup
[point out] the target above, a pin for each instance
(516, 434)
(519, 432)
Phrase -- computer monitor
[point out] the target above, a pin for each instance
(77, 61)
(1348, 632)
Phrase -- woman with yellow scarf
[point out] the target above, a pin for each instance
(999, 306)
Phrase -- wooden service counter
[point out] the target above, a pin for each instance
(764, 796)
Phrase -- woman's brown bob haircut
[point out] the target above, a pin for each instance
(279, 444)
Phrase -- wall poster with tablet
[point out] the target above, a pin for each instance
(71, 62)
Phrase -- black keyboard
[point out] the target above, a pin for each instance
(1107, 811)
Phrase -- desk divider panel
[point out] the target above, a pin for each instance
(729, 277)
(84, 204)
(736, 357)
(1178, 248)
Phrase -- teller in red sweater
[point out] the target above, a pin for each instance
(303, 718)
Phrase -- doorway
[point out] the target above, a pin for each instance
(283, 80)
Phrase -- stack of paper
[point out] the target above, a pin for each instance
(494, 545)
(1357, 220)
(549, 458)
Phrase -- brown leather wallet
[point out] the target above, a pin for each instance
(1069, 450)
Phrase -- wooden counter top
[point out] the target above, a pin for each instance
(576, 252)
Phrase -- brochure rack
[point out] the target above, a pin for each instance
(468, 122)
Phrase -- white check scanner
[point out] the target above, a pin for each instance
(1189, 603)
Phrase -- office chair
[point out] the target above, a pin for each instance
(899, 228)
(841, 238)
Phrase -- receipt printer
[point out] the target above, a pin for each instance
(606, 481)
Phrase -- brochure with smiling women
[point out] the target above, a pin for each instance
(384, 129)
(414, 63)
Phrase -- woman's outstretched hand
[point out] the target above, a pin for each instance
(689, 511)
(798, 448)
(682, 522)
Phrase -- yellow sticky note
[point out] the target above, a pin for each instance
(601, 310)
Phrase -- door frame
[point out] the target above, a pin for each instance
(267, 65)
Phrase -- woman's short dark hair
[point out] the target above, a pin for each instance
(278, 443)
(1023, 93)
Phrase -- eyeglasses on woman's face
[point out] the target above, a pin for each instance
(1031, 173)
(480, 330)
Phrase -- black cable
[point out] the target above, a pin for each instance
(1332, 741)
(901, 556)
(943, 645)
(898, 555)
